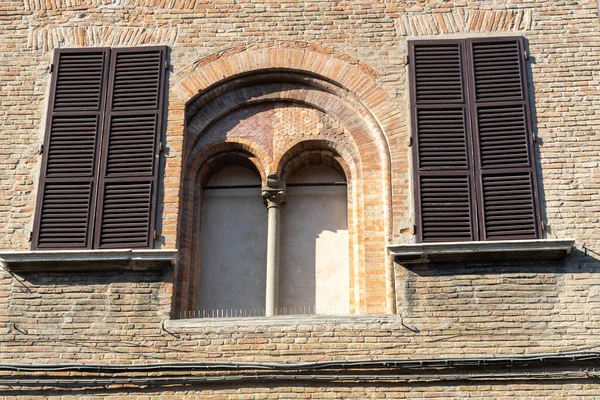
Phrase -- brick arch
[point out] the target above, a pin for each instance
(329, 100)
(362, 130)
(306, 152)
(255, 154)
(213, 164)
(332, 65)
(326, 80)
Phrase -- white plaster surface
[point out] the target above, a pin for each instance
(233, 244)
(314, 271)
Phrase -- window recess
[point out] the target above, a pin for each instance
(474, 165)
(288, 258)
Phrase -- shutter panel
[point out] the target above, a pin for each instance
(503, 136)
(443, 169)
(438, 73)
(508, 201)
(442, 138)
(68, 178)
(445, 208)
(507, 188)
(129, 173)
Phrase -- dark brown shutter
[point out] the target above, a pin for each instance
(129, 172)
(68, 178)
(504, 159)
(441, 144)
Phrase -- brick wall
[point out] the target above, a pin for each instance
(524, 390)
(442, 310)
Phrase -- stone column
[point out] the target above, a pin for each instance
(273, 199)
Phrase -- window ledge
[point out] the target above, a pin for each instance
(85, 260)
(292, 320)
(420, 253)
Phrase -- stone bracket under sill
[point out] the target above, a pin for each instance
(498, 250)
(86, 260)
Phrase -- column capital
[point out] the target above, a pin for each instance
(273, 198)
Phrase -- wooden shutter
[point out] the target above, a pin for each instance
(129, 171)
(68, 181)
(441, 145)
(507, 185)
(475, 175)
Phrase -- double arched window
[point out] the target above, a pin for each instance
(312, 275)
(309, 151)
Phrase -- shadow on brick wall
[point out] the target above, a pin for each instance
(580, 261)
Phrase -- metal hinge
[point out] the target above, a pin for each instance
(161, 148)
(155, 235)
(414, 229)
(533, 137)
(51, 68)
(406, 60)
(410, 140)
(30, 237)
(526, 54)
(41, 150)
(166, 64)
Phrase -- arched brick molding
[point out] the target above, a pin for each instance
(313, 152)
(299, 78)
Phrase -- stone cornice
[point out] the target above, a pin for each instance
(83, 260)
(419, 253)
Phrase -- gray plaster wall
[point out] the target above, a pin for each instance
(314, 270)
(233, 244)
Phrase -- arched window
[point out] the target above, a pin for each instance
(233, 244)
(271, 244)
(314, 269)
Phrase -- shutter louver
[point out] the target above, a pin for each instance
(136, 80)
(127, 200)
(442, 138)
(131, 145)
(497, 70)
(502, 136)
(438, 73)
(65, 214)
(445, 208)
(66, 195)
(126, 215)
(72, 147)
(509, 209)
(501, 129)
(79, 81)
(444, 173)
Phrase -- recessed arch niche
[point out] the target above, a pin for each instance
(275, 115)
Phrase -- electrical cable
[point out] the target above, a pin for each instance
(187, 380)
(443, 362)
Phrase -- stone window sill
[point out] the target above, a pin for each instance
(292, 320)
(507, 250)
(85, 260)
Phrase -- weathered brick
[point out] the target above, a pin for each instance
(361, 46)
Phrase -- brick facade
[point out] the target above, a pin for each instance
(302, 81)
